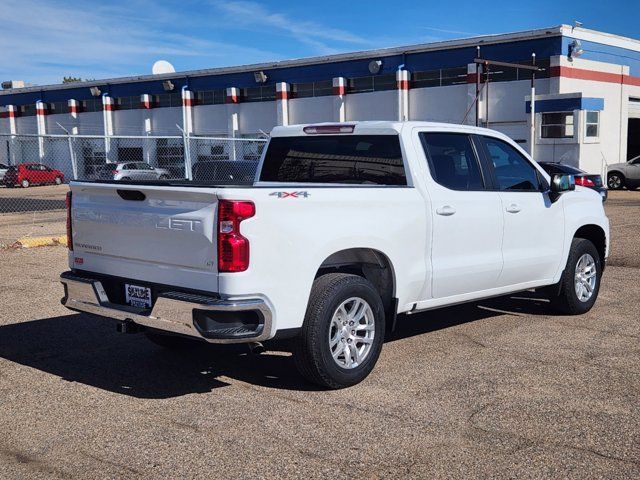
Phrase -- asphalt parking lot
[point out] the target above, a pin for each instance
(499, 389)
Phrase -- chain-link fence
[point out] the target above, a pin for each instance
(34, 160)
(34, 171)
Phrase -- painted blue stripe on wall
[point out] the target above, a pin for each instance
(415, 62)
(567, 104)
(606, 53)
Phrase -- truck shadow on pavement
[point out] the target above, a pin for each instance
(78, 348)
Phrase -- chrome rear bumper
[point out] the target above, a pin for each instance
(172, 312)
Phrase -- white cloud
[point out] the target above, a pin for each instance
(316, 35)
(42, 42)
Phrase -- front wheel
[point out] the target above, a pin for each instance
(25, 183)
(580, 281)
(343, 331)
(615, 181)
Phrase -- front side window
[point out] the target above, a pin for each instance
(557, 125)
(452, 160)
(512, 170)
(348, 159)
(592, 124)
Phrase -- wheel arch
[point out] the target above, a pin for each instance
(596, 235)
(368, 263)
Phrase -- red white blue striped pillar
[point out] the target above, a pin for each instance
(74, 110)
(188, 102)
(41, 124)
(146, 104)
(233, 112)
(282, 103)
(107, 121)
(148, 145)
(403, 80)
(107, 112)
(10, 113)
(339, 99)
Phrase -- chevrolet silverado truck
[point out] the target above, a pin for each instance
(346, 226)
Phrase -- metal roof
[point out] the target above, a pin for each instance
(342, 57)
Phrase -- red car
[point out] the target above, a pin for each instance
(27, 174)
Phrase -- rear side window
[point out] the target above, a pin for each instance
(452, 160)
(350, 159)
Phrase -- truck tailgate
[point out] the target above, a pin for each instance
(155, 234)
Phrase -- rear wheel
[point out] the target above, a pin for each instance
(615, 181)
(343, 331)
(580, 281)
(58, 180)
(171, 342)
(164, 177)
(25, 183)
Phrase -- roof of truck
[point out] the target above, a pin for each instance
(377, 127)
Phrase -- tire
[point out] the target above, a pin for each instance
(58, 181)
(125, 178)
(312, 351)
(25, 183)
(163, 177)
(171, 342)
(567, 301)
(615, 181)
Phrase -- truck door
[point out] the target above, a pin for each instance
(466, 253)
(533, 225)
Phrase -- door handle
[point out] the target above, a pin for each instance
(513, 208)
(445, 210)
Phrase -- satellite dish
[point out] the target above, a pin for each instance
(162, 66)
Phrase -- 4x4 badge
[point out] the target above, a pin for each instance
(289, 194)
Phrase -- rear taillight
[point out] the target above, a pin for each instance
(584, 182)
(69, 229)
(233, 248)
(116, 172)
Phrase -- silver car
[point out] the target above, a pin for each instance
(3, 170)
(130, 171)
(626, 174)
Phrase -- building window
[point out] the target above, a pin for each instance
(127, 103)
(259, 94)
(592, 124)
(372, 83)
(320, 88)
(211, 97)
(557, 125)
(27, 110)
(168, 100)
(92, 105)
(439, 78)
(57, 108)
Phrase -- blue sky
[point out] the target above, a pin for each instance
(42, 41)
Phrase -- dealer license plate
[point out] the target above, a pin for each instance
(137, 296)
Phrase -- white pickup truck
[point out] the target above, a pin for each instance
(346, 226)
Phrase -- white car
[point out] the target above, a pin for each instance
(3, 170)
(346, 226)
(130, 171)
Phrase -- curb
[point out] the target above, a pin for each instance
(32, 242)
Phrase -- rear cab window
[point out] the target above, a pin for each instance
(335, 159)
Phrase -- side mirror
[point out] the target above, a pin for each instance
(560, 184)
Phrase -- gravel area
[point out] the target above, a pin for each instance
(495, 389)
